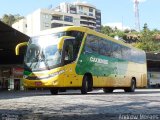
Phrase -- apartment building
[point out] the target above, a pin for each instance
(66, 14)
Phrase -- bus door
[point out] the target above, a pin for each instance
(68, 61)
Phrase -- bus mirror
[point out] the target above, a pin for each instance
(60, 44)
(19, 46)
(61, 41)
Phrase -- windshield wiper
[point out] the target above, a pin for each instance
(44, 60)
(36, 59)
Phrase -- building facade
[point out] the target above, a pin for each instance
(66, 14)
(153, 69)
(11, 66)
(11, 77)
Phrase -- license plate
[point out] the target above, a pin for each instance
(38, 83)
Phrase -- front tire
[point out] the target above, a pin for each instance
(54, 91)
(107, 90)
(132, 87)
(84, 88)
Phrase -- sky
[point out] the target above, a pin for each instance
(119, 12)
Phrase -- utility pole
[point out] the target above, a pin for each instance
(136, 12)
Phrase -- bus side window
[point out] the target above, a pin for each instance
(88, 46)
(91, 44)
(108, 48)
(102, 50)
(126, 53)
(68, 52)
(104, 47)
(77, 42)
(117, 51)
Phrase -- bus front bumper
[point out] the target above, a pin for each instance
(44, 83)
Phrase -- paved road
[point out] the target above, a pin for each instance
(144, 104)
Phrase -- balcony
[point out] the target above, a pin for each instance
(82, 15)
(57, 18)
(88, 20)
(62, 22)
(91, 21)
(84, 23)
(92, 25)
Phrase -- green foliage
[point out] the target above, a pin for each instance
(106, 30)
(145, 39)
(112, 32)
(10, 19)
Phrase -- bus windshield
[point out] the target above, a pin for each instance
(42, 53)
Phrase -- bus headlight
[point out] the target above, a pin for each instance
(56, 73)
(25, 76)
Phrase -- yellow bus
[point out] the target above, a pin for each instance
(80, 58)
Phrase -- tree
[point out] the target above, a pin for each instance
(10, 19)
(112, 32)
(106, 30)
(147, 41)
(127, 31)
(145, 27)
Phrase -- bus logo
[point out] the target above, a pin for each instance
(98, 60)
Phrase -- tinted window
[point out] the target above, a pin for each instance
(137, 56)
(134, 56)
(116, 50)
(78, 39)
(126, 53)
(92, 44)
(105, 47)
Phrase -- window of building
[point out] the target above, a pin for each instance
(53, 25)
(46, 16)
(90, 14)
(68, 18)
(56, 18)
(73, 10)
(80, 8)
(80, 12)
(84, 22)
(90, 9)
(46, 25)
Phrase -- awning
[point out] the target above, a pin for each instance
(153, 56)
(153, 61)
(9, 38)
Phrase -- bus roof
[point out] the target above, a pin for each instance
(60, 29)
(84, 29)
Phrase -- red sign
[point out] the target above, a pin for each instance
(17, 72)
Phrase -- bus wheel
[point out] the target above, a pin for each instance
(54, 91)
(107, 90)
(132, 87)
(84, 88)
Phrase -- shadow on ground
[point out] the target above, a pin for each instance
(92, 113)
(31, 93)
